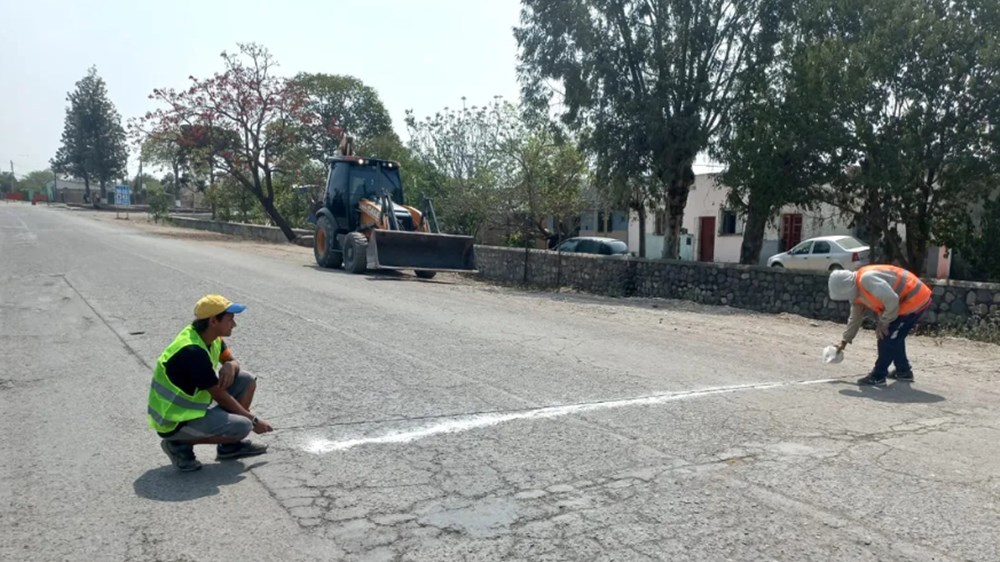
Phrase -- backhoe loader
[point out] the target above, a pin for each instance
(363, 224)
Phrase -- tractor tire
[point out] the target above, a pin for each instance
(424, 274)
(356, 252)
(325, 247)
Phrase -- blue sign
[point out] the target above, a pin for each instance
(123, 196)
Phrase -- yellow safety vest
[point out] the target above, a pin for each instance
(168, 404)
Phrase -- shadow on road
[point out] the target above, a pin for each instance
(896, 392)
(407, 279)
(167, 484)
(382, 275)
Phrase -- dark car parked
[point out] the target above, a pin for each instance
(593, 245)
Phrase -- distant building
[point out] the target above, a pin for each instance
(70, 190)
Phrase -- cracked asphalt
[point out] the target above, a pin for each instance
(455, 420)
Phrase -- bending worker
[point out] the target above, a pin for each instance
(185, 383)
(898, 298)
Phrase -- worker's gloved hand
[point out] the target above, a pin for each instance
(882, 330)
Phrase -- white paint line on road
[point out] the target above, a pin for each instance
(466, 423)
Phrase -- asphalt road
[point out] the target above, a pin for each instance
(452, 420)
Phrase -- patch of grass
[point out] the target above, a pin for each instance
(988, 333)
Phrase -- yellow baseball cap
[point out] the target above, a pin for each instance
(213, 305)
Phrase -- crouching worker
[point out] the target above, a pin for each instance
(185, 384)
(898, 298)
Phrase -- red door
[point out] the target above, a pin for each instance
(791, 231)
(706, 239)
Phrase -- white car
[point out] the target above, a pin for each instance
(825, 253)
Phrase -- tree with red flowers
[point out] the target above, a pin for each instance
(242, 121)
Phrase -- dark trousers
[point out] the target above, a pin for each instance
(892, 348)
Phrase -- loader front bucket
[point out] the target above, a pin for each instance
(401, 249)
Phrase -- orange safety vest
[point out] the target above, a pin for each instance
(914, 295)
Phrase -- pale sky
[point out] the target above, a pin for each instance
(418, 54)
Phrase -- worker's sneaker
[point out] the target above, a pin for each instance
(871, 380)
(181, 455)
(241, 449)
(901, 376)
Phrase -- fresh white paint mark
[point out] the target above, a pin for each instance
(466, 423)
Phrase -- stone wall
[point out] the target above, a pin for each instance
(956, 303)
(250, 231)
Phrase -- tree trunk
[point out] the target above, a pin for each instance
(917, 242)
(279, 220)
(526, 236)
(86, 188)
(211, 185)
(177, 183)
(677, 196)
(641, 209)
(753, 232)
(104, 190)
(878, 226)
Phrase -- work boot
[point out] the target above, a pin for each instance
(901, 376)
(181, 455)
(241, 449)
(871, 380)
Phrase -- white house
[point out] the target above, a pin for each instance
(713, 232)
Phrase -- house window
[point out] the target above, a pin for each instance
(727, 222)
(660, 222)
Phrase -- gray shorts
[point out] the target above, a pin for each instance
(218, 422)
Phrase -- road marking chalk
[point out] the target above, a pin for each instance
(465, 423)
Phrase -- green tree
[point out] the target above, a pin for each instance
(37, 181)
(971, 235)
(191, 152)
(7, 182)
(93, 140)
(246, 113)
(490, 167)
(647, 82)
(923, 122)
(550, 180)
(230, 202)
(467, 161)
(164, 150)
(976, 243)
(783, 124)
(158, 201)
(141, 186)
(339, 104)
(637, 193)
(300, 181)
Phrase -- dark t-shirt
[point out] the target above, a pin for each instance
(191, 370)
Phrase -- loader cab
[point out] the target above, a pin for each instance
(353, 179)
(390, 240)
